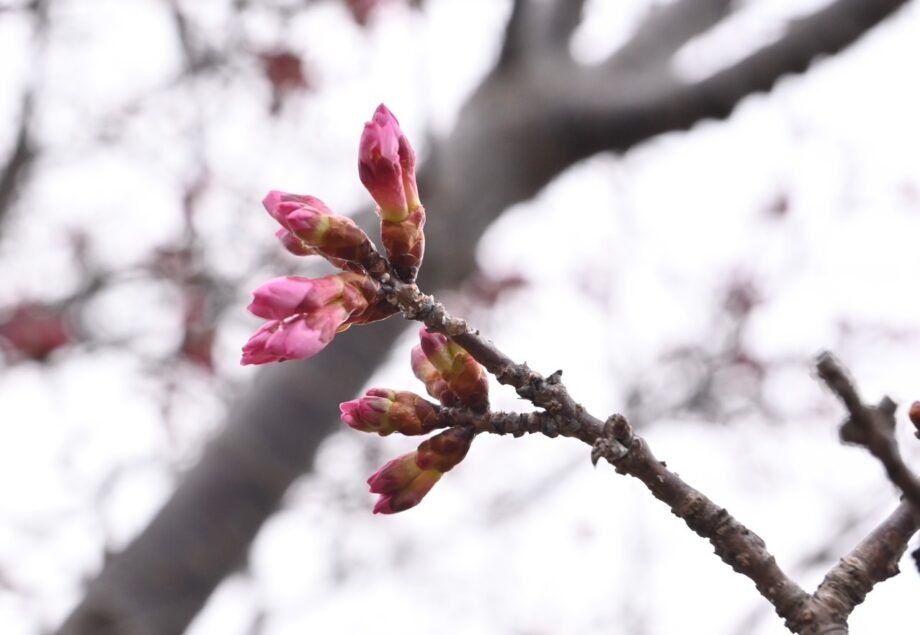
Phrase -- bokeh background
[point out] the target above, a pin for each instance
(679, 204)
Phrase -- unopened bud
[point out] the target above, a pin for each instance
(307, 218)
(403, 482)
(386, 411)
(449, 372)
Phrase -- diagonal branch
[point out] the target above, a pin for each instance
(824, 613)
(824, 32)
(614, 108)
(873, 560)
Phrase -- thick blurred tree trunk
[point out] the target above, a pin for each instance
(534, 115)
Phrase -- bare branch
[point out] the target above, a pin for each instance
(871, 427)
(666, 29)
(539, 29)
(824, 32)
(614, 108)
(873, 560)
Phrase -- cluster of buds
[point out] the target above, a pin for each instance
(305, 315)
(386, 165)
(456, 380)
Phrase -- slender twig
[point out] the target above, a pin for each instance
(871, 427)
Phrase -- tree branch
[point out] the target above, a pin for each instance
(871, 427)
(845, 586)
(614, 441)
(614, 108)
(873, 560)
(666, 29)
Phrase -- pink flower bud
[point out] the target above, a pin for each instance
(280, 205)
(408, 497)
(283, 297)
(299, 337)
(395, 475)
(386, 166)
(404, 481)
(386, 411)
(305, 314)
(450, 374)
(337, 238)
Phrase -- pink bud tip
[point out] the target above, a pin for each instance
(386, 166)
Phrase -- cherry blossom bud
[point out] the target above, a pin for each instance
(404, 481)
(305, 314)
(450, 374)
(299, 337)
(283, 297)
(402, 484)
(386, 411)
(337, 238)
(386, 166)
